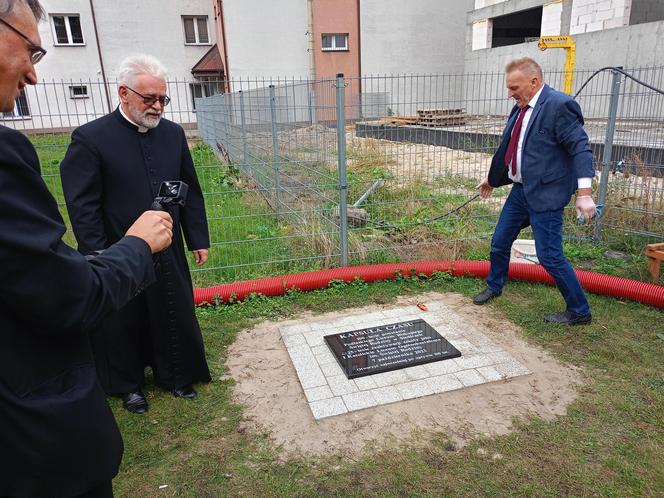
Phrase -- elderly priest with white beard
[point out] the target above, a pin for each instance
(111, 173)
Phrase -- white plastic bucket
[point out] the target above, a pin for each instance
(523, 251)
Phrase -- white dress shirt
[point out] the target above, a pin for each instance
(582, 182)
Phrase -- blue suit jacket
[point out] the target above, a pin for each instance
(555, 152)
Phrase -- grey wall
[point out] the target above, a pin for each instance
(426, 36)
(630, 46)
(646, 11)
(414, 37)
(503, 8)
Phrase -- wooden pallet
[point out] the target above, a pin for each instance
(440, 125)
(441, 117)
(442, 121)
(429, 117)
(438, 112)
(655, 253)
(399, 120)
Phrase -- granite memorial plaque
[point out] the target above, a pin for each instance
(389, 347)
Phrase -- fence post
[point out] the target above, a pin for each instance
(343, 181)
(608, 149)
(243, 121)
(223, 128)
(312, 102)
(275, 152)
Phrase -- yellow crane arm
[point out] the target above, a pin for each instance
(568, 43)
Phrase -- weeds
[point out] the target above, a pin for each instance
(249, 240)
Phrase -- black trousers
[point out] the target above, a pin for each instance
(102, 491)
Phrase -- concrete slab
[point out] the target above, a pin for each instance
(330, 393)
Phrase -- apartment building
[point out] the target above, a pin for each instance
(87, 39)
(319, 38)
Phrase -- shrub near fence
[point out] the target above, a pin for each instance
(275, 158)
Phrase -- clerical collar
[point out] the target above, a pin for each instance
(141, 129)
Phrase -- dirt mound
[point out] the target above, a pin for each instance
(267, 385)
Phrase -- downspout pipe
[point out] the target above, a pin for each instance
(650, 294)
(359, 53)
(227, 75)
(101, 59)
(310, 40)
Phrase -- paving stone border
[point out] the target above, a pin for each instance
(330, 393)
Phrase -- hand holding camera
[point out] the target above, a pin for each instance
(155, 228)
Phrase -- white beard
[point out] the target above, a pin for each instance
(144, 118)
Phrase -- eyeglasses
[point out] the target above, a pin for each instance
(37, 53)
(164, 100)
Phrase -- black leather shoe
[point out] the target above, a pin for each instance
(485, 296)
(135, 402)
(567, 318)
(186, 392)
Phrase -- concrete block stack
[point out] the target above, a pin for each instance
(596, 15)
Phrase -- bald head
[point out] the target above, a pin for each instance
(10, 7)
(20, 48)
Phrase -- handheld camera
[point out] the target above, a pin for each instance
(171, 193)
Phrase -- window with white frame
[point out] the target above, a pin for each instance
(195, 30)
(21, 108)
(206, 88)
(78, 91)
(335, 41)
(67, 29)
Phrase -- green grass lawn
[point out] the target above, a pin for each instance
(610, 443)
(249, 241)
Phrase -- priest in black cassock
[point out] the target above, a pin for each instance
(111, 173)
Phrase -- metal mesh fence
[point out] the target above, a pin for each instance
(302, 174)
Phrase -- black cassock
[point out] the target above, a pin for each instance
(57, 433)
(110, 175)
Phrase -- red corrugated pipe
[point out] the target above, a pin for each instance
(275, 286)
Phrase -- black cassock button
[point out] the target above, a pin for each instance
(154, 182)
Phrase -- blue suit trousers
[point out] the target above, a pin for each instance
(548, 231)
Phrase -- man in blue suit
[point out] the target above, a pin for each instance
(546, 156)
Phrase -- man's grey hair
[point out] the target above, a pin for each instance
(7, 7)
(136, 65)
(527, 66)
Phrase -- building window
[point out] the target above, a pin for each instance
(332, 41)
(206, 88)
(78, 92)
(518, 27)
(67, 29)
(195, 30)
(21, 109)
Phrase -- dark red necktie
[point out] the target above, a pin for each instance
(510, 155)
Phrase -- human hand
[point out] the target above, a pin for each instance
(200, 256)
(155, 228)
(485, 188)
(585, 208)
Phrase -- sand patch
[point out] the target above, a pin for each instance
(267, 385)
